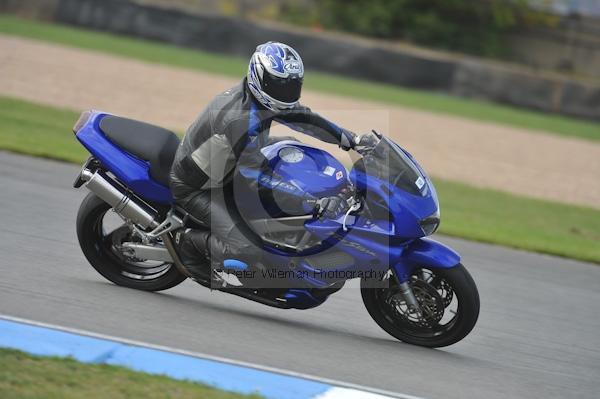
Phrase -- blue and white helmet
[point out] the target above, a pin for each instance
(275, 75)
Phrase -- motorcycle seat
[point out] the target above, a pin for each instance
(150, 143)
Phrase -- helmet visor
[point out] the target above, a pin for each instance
(286, 90)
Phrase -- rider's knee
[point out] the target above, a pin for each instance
(221, 250)
(247, 252)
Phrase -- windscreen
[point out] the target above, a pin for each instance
(389, 163)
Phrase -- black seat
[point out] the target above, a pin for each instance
(148, 142)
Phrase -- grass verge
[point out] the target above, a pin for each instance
(38, 130)
(519, 222)
(468, 212)
(236, 67)
(28, 377)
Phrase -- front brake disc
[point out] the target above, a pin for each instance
(430, 302)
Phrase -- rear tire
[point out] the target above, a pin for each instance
(106, 262)
(467, 296)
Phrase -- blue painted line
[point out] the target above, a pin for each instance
(44, 341)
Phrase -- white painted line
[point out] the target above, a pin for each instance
(347, 393)
(351, 389)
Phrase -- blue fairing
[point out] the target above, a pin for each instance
(366, 242)
(131, 171)
(396, 240)
(405, 209)
(430, 252)
(425, 252)
(302, 299)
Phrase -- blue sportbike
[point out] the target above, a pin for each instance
(413, 287)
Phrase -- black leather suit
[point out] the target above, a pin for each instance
(228, 133)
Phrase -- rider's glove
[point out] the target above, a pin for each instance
(348, 140)
(331, 207)
(365, 143)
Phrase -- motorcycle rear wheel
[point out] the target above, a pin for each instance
(438, 289)
(99, 248)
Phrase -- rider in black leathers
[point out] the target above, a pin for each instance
(231, 131)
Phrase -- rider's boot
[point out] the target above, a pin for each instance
(207, 258)
(193, 250)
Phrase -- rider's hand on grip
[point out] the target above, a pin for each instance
(365, 143)
(330, 207)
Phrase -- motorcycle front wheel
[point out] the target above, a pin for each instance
(448, 306)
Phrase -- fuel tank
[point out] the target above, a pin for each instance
(313, 170)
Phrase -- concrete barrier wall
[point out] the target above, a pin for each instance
(331, 53)
(571, 47)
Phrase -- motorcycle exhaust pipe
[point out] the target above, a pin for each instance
(119, 199)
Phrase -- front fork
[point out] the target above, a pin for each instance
(406, 291)
(409, 295)
(424, 251)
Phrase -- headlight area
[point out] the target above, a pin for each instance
(430, 224)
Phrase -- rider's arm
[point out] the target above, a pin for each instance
(303, 120)
(211, 158)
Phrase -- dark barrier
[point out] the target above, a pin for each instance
(344, 56)
(239, 37)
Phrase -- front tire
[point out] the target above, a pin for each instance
(99, 248)
(439, 289)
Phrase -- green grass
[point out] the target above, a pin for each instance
(38, 130)
(27, 377)
(468, 212)
(235, 67)
(525, 223)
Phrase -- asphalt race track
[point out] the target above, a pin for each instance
(537, 336)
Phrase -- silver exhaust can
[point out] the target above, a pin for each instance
(117, 197)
